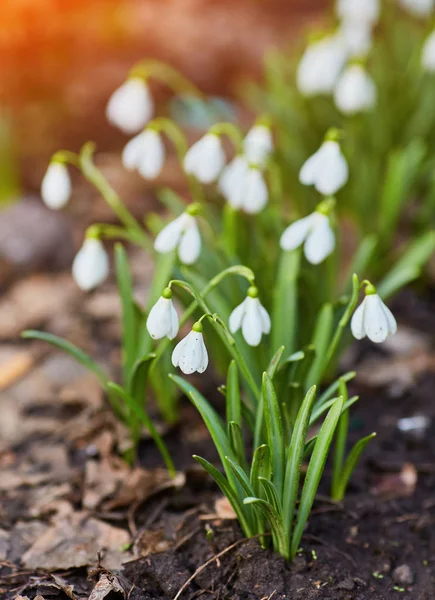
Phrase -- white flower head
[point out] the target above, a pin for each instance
(163, 319)
(327, 168)
(243, 186)
(131, 106)
(315, 232)
(251, 317)
(146, 153)
(428, 54)
(373, 318)
(418, 8)
(205, 159)
(91, 265)
(258, 144)
(181, 233)
(320, 66)
(190, 354)
(359, 11)
(56, 186)
(355, 91)
(357, 38)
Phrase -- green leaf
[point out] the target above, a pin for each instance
(349, 466)
(230, 494)
(129, 323)
(275, 522)
(321, 340)
(241, 476)
(233, 400)
(314, 472)
(361, 258)
(340, 439)
(275, 440)
(274, 363)
(78, 355)
(236, 441)
(260, 467)
(294, 459)
(284, 313)
(330, 391)
(139, 376)
(144, 418)
(271, 494)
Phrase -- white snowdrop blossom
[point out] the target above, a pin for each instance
(251, 317)
(326, 169)
(146, 153)
(131, 106)
(190, 354)
(181, 233)
(418, 8)
(359, 11)
(315, 232)
(91, 265)
(355, 91)
(373, 318)
(258, 144)
(56, 186)
(357, 38)
(428, 54)
(163, 319)
(205, 159)
(320, 66)
(243, 186)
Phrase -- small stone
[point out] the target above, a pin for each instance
(403, 575)
(346, 584)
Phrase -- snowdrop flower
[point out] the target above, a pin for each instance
(91, 265)
(428, 54)
(418, 8)
(327, 168)
(163, 319)
(243, 186)
(190, 354)
(258, 144)
(252, 317)
(357, 38)
(355, 91)
(315, 233)
(56, 186)
(320, 66)
(183, 233)
(131, 106)
(205, 159)
(373, 318)
(359, 11)
(146, 153)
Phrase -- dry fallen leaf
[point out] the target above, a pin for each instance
(397, 485)
(150, 542)
(107, 584)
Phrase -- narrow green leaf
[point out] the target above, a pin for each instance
(330, 391)
(260, 467)
(236, 441)
(340, 439)
(274, 363)
(234, 402)
(275, 440)
(271, 494)
(349, 466)
(275, 523)
(295, 455)
(71, 349)
(139, 376)
(129, 324)
(284, 313)
(314, 472)
(361, 259)
(241, 476)
(321, 340)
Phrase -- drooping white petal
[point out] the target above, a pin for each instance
(189, 247)
(162, 320)
(91, 265)
(320, 66)
(170, 235)
(296, 233)
(418, 8)
(428, 54)
(190, 354)
(265, 319)
(255, 193)
(357, 38)
(236, 317)
(131, 106)
(132, 152)
(376, 323)
(359, 11)
(204, 359)
(205, 159)
(355, 91)
(56, 186)
(252, 325)
(357, 323)
(320, 241)
(152, 159)
(232, 181)
(258, 144)
(333, 171)
(392, 323)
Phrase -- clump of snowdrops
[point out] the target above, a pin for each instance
(256, 287)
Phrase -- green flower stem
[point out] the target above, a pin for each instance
(167, 74)
(65, 156)
(231, 131)
(97, 179)
(110, 232)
